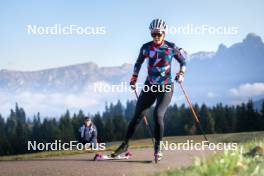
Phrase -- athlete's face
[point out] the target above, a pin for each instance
(158, 37)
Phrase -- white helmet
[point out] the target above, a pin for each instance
(157, 25)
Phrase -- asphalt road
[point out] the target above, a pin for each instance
(141, 163)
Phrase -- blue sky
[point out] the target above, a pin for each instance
(126, 25)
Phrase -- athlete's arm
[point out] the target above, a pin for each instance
(139, 62)
(180, 55)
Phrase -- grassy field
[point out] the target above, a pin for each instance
(145, 143)
(249, 162)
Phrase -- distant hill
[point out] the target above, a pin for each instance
(68, 78)
(209, 78)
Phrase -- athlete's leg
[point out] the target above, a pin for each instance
(163, 101)
(145, 100)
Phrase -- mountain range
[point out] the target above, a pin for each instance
(229, 75)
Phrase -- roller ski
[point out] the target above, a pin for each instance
(120, 153)
(123, 156)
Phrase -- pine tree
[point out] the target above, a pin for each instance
(129, 110)
(98, 122)
(119, 127)
(171, 120)
(10, 128)
(207, 120)
(241, 117)
(108, 129)
(66, 128)
(77, 121)
(36, 131)
(220, 118)
(251, 117)
(4, 145)
(21, 137)
(261, 117)
(80, 115)
(230, 115)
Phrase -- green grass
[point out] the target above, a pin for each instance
(229, 163)
(134, 144)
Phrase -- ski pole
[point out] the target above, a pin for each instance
(146, 121)
(193, 112)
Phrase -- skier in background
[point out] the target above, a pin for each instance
(88, 132)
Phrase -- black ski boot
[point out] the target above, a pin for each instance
(157, 152)
(121, 149)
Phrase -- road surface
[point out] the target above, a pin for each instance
(80, 165)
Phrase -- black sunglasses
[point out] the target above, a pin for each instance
(156, 34)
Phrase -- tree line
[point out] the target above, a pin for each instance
(16, 130)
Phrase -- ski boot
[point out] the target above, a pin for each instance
(121, 149)
(157, 152)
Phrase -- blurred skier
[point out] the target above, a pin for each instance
(88, 132)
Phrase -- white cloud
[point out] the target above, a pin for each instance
(248, 90)
(55, 104)
(211, 95)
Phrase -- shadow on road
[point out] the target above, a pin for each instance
(51, 159)
(79, 159)
(128, 161)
